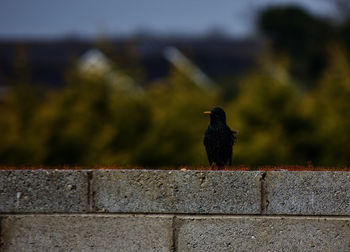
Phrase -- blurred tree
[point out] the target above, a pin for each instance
(300, 35)
(345, 34)
(343, 8)
(267, 115)
(330, 106)
(176, 136)
(102, 117)
(18, 143)
(92, 122)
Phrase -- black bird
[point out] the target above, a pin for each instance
(218, 139)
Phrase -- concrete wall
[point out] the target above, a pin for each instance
(149, 210)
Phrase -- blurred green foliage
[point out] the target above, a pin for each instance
(105, 119)
(93, 121)
(304, 38)
(300, 35)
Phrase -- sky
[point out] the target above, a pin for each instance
(91, 18)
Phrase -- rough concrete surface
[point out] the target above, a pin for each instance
(223, 233)
(308, 193)
(142, 191)
(43, 191)
(86, 233)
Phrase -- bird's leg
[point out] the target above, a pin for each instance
(211, 167)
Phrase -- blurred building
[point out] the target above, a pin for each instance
(48, 60)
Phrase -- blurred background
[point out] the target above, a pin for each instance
(126, 82)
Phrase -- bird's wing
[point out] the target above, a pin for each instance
(210, 154)
(234, 138)
(209, 147)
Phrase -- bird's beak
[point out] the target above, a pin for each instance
(207, 112)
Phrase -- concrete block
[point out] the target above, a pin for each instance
(133, 191)
(43, 191)
(223, 233)
(141, 191)
(227, 192)
(86, 233)
(308, 193)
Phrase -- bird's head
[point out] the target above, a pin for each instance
(217, 115)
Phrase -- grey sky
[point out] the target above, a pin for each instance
(48, 18)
